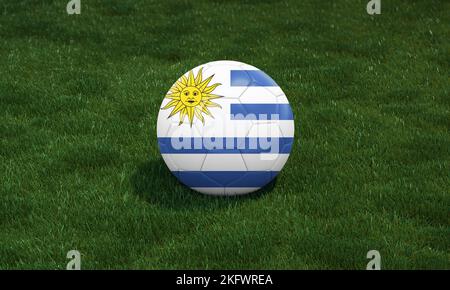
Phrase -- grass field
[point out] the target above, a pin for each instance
(79, 163)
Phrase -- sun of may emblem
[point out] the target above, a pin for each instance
(191, 96)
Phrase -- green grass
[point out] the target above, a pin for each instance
(80, 167)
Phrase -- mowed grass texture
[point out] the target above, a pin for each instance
(79, 163)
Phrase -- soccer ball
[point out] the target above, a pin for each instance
(225, 128)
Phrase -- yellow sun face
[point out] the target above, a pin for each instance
(191, 96)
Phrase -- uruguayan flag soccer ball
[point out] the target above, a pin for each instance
(225, 128)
